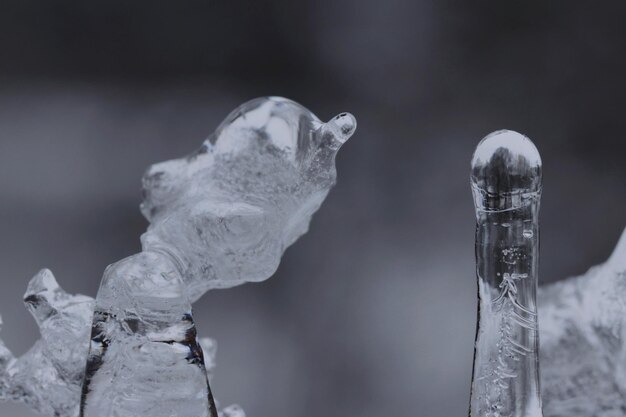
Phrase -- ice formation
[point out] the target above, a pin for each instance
(583, 347)
(6, 358)
(219, 217)
(583, 341)
(225, 214)
(48, 377)
(506, 184)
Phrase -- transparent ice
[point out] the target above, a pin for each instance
(582, 321)
(506, 184)
(219, 217)
(48, 377)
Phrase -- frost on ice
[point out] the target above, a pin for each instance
(583, 341)
(219, 217)
(48, 377)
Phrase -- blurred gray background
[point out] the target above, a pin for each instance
(372, 312)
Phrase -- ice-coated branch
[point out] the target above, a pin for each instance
(506, 184)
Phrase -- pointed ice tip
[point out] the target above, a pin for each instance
(41, 294)
(618, 257)
(343, 126)
(43, 281)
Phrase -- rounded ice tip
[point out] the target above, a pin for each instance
(343, 126)
(506, 169)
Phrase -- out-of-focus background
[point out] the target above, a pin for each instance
(372, 312)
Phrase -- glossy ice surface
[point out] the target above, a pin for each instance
(583, 346)
(226, 213)
(506, 183)
(581, 320)
(219, 217)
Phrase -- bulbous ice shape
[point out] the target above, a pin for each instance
(506, 172)
(582, 326)
(506, 184)
(218, 218)
(583, 341)
(227, 212)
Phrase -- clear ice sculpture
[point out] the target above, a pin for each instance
(582, 320)
(506, 185)
(219, 217)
